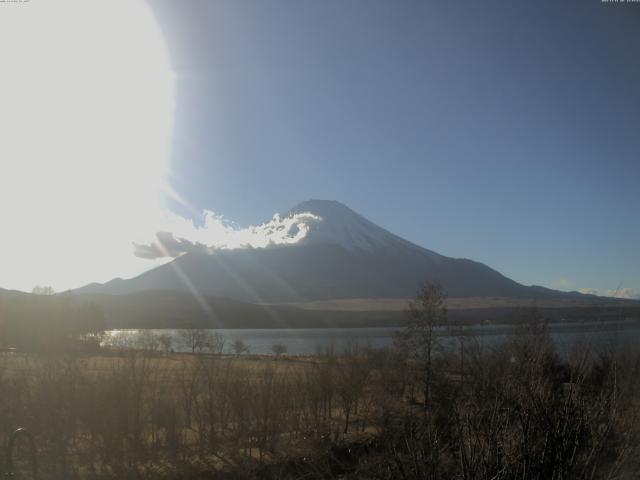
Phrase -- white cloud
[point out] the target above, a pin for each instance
(589, 291)
(628, 293)
(177, 235)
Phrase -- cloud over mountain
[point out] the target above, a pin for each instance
(628, 293)
(180, 235)
(166, 245)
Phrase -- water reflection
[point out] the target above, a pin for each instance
(299, 341)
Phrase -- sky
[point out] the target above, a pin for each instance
(504, 132)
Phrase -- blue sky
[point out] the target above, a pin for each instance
(505, 132)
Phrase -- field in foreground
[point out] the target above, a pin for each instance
(515, 411)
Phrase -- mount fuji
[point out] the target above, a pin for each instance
(342, 256)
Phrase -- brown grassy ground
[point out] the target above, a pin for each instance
(455, 303)
(512, 412)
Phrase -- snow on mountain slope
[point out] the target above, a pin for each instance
(341, 226)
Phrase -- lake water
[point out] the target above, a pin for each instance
(306, 341)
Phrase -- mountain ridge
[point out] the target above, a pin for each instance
(343, 255)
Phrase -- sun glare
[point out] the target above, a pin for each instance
(86, 110)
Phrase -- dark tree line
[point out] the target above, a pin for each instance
(45, 322)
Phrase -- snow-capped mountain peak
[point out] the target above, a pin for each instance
(339, 225)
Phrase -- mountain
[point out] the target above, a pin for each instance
(343, 255)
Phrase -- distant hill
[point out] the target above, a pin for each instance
(177, 309)
(180, 309)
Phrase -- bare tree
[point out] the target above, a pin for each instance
(213, 342)
(43, 290)
(352, 377)
(149, 341)
(199, 339)
(239, 346)
(279, 349)
(166, 341)
(419, 338)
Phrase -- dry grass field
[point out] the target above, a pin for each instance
(515, 411)
(458, 303)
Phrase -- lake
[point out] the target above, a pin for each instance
(307, 341)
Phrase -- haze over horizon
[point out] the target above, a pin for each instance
(467, 129)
